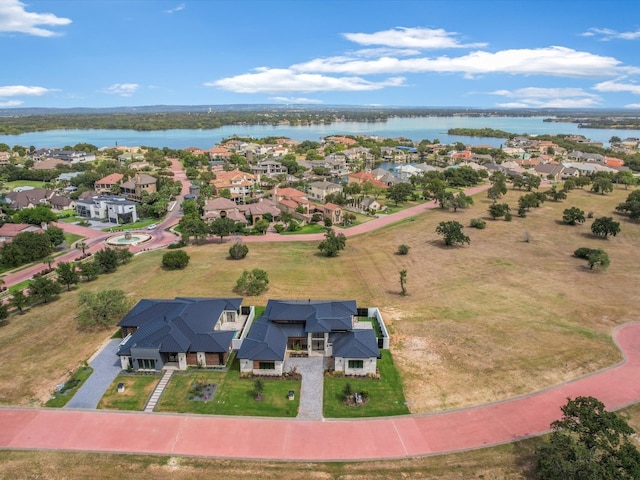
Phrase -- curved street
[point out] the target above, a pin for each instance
(328, 440)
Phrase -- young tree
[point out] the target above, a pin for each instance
(107, 260)
(18, 301)
(124, 255)
(175, 260)
(602, 185)
(403, 282)
(252, 282)
(631, 205)
(82, 245)
(261, 226)
(67, 274)
(531, 181)
(451, 232)
(332, 243)
(497, 210)
(55, 234)
(403, 249)
(399, 192)
(460, 200)
(222, 227)
(102, 309)
(573, 215)
(598, 258)
(89, 270)
(191, 225)
(588, 442)
(258, 390)
(43, 289)
(238, 251)
(556, 195)
(605, 226)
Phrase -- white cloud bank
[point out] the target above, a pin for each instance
(616, 86)
(22, 90)
(607, 34)
(406, 37)
(178, 8)
(537, 97)
(279, 80)
(296, 100)
(14, 18)
(122, 89)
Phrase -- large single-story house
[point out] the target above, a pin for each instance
(327, 328)
(179, 333)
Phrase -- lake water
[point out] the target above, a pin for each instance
(416, 128)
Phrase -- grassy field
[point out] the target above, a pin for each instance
(494, 319)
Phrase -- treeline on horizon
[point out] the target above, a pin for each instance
(16, 123)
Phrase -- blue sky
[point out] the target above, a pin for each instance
(473, 53)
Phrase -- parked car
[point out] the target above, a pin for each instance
(153, 226)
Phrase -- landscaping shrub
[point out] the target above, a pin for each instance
(238, 251)
(583, 252)
(177, 259)
(403, 249)
(478, 223)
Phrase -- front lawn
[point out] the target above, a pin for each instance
(67, 390)
(312, 228)
(133, 226)
(137, 389)
(386, 396)
(233, 396)
(71, 238)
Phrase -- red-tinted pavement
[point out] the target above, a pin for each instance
(339, 440)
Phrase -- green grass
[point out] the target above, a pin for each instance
(234, 395)
(18, 286)
(133, 226)
(22, 183)
(71, 238)
(313, 228)
(374, 324)
(137, 389)
(386, 396)
(71, 386)
(73, 219)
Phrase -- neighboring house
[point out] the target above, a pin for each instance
(105, 184)
(335, 164)
(319, 190)
(9, 230)
(240, 184)
(48, 164)
(291, 200)
(109, 208)
(65, 178)
(257, 211)
(222, 208)
(5, 158)
(369, 204)
(370, 177)
(32, 197)
(130, 157)
(551, 171)
(331, 211)
(59, 203)
(140, 184)
(309, 328)
(269, 168)
(71, 156)
(180, 333)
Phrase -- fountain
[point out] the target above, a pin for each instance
(128, 239)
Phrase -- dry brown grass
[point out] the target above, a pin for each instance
(494, 319)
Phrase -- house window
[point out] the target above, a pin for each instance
(356, 363)
(146, 363)
(267, 365)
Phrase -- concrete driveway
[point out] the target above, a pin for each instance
(106, 367)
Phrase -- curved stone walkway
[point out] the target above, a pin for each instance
(328, 440)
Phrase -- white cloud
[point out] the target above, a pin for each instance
(296, 100)
(178, 8)
(280, 80)
(607, 34)
(633, 105)
(122, 89)
(404, 37)
(14, 18)
(11, 103)
(21, 90)
(385, 52)
(616, 86)
(536, 97)
(551, 61)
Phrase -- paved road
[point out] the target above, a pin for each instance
(106, 367)
(328, 440)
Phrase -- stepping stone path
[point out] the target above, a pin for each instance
(155, 396)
